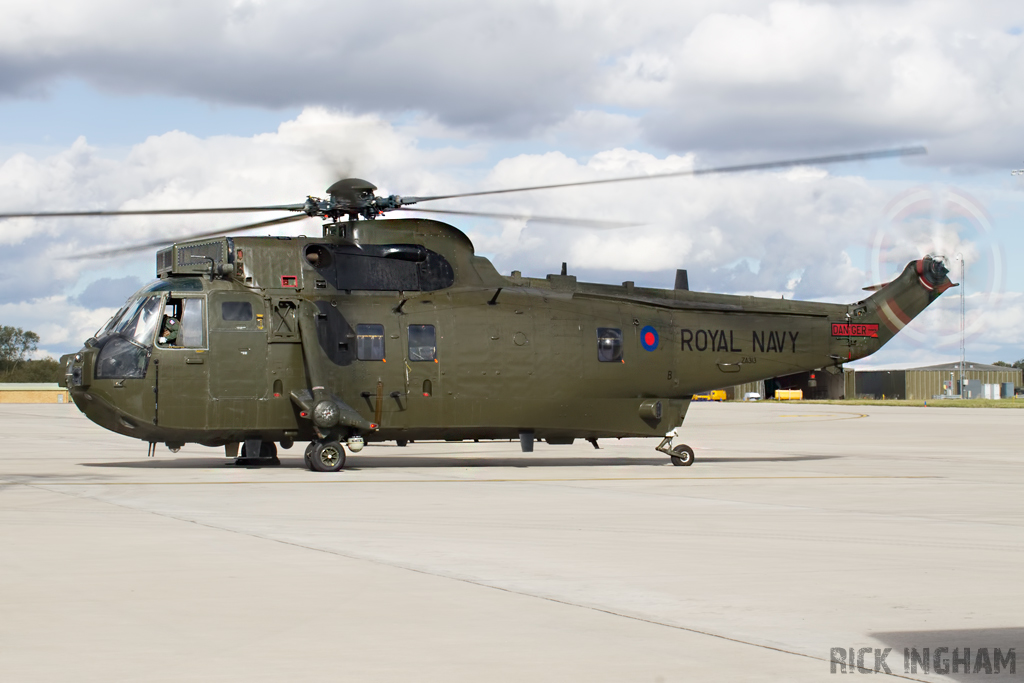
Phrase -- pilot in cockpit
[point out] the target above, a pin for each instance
(169, 335)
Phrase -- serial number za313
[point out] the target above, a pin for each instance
(764, 341)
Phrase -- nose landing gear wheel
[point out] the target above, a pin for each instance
(683, 456)
(327, 457)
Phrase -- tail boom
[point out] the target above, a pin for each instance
(880, 317)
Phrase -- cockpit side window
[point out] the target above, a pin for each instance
(183, 324)
(192, 323)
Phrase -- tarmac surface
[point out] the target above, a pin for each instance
(800, 528)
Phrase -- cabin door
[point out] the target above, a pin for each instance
(424, 353)
(377, 373)
(238, 350)
(181, 358)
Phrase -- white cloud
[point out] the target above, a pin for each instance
(788, 221)
(727, 76)
(798, 226)
(60, 323)
(734, 79)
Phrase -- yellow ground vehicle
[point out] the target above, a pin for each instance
(714, 395)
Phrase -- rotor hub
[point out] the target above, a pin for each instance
(353, 192)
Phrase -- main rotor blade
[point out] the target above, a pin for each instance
(142, 246)
(571, 222)
(154, 212)
(832, 159)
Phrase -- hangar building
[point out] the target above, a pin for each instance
(981, 381)
(935, 380)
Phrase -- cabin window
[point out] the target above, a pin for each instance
(422, 343)
(609, 345)
(236, 311)
(370, 342)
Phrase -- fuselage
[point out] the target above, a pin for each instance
(424, 339)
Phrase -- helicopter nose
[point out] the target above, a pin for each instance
(78, 368)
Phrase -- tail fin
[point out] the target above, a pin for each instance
(894, 305)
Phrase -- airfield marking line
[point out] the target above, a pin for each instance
(449, 481)
(473, 582)
(824, 418)
(830, 416)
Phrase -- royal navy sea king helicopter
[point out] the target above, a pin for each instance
(396, 330)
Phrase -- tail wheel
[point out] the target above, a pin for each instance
(328, 457)
(683, 457)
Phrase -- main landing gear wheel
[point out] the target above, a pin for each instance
(309, 454)
(328, 457)
(683, 456)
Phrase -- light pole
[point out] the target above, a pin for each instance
(963, 322)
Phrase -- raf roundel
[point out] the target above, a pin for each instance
(649, 338)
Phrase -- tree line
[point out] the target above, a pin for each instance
(16, 345)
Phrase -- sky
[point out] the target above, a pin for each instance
(116, 105)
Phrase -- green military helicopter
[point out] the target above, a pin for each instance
(396, 330)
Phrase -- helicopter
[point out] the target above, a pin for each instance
(396, 330)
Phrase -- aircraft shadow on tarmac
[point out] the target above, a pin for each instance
(359, 462)
(975, 639)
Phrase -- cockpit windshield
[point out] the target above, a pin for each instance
(137, 320)
(111, 322)
(100, 333)
(140, 321)
(122, 320)
(127, 313)
(128, 338)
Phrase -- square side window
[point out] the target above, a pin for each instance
(609, 345)
(236, 311)
(422, 343)
(370, 342)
